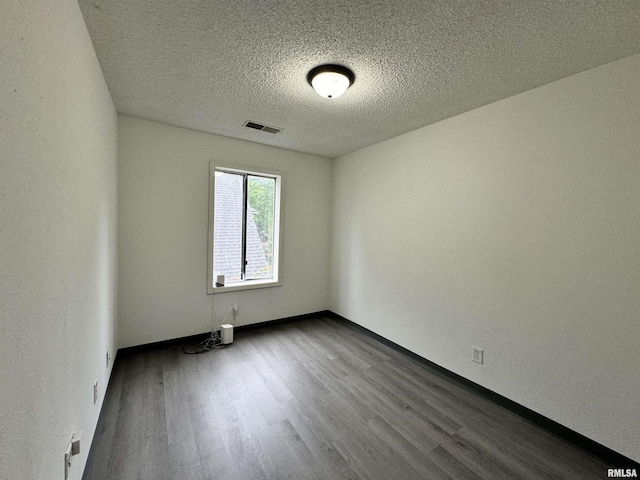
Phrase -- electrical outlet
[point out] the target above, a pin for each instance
(95, 391)
(477, 355)
(67, 462)
(72, 449)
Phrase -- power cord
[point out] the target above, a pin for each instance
(213, 341)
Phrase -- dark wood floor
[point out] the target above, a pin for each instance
(311, 399)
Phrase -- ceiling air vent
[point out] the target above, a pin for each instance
(264, 128)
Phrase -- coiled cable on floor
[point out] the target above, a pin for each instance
(213, 341)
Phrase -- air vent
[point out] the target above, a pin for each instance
(263, 128)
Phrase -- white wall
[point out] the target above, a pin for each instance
(57, 236)
(163, 193)
(514, 228)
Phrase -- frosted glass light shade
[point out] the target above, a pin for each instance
(330, 84)
(330, 81)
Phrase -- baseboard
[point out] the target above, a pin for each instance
(280, 321)
(593, 448)
(147, 347)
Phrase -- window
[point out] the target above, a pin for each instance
(244, 228)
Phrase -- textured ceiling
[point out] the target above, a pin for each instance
(211, 65)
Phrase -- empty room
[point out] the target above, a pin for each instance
(278, 239)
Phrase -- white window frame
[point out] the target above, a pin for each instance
(276, 281)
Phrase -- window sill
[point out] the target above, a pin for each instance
(247, 285)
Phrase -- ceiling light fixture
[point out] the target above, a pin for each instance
(330, 81)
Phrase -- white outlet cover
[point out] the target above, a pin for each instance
(67, 461)
(478, 355)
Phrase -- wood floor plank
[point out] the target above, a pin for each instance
(312, 430)
(301, 333)
(520, 466)
(260, 394)
(292, 446)
(361, 446)
(452, 465)
(431, 394)
(418, 460)
(278, 389)
(156, 444)
(259, 437)
(480, 458)
(379, 400)
(523, 440)
(360, 404)
(384, 382)
(355, 451)
(313, 400)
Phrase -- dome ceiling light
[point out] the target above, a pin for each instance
(330, 81)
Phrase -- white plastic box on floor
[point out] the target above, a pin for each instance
(226, 333)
